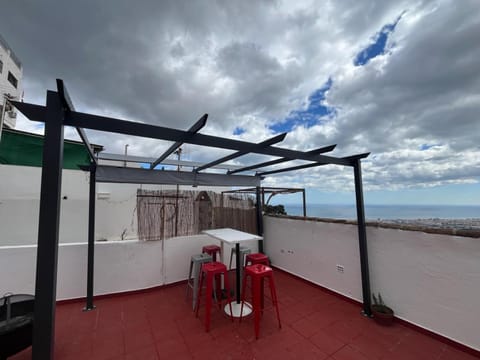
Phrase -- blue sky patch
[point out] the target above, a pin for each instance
(158, 167)
(424, 147)
(306, 117)
(378, 46)
(238, 131)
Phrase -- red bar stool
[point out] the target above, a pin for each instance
(257, 258)
(212, 271)
(212, 251)
(258, 273)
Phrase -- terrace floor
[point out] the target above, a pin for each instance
(160, 324)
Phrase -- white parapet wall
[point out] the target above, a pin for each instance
(120, 266)
(430, 280)
(20, 202)
(115, 206)
(115, 217)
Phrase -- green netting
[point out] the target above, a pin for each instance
(27, 149)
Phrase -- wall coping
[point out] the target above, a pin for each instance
(473, 233)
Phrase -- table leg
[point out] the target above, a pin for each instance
(237, 303)
(237, 259)
(222, 252)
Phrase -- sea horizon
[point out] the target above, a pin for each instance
(387, 212)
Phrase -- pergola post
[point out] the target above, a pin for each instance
(48, 229)
(263, 196)
(258, 208)
(304, 203)
(362, 237)
(91, 238)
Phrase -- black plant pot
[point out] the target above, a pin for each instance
(383, 315)
(16, 324)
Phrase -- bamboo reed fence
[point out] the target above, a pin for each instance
(163, 214)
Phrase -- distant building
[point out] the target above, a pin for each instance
(10, 83)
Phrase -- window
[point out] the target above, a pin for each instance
(1, 66)
(12, 80)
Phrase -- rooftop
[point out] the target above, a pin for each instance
(433, 290)
(4, 44)
(160, 324)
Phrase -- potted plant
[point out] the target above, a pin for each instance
(382, 314)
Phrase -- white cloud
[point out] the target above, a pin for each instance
(248, 64)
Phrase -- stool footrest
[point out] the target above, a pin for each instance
(257, 274)
(211, 273)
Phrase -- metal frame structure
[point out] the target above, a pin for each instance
(59, 112)
(272, 191)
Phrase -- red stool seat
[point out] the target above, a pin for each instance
(258, 273)
(212, 250)
(213, 271)
(256, 258)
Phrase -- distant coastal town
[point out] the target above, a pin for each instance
(436, 223)
(432, 216)
(452, 220)
(457, 227)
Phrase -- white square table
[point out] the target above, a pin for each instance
(232, 236)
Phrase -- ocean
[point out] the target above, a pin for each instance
(375, 212)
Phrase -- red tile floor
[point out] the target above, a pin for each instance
(160, 324)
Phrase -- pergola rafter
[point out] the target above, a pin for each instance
(194, 129)
(281, 160)
(59, 112)
(169, 161)
(271, 141)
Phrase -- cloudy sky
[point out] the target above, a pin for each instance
(400, 79)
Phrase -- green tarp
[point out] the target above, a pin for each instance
(19, 148)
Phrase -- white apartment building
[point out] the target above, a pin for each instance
(10, 83)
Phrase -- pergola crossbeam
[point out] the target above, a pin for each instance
(278, 161)
(271, 141)
(32, 112)
(103, 123)
(68, 106)
(356, 157)
(194, 129)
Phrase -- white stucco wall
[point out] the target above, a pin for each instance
(20, 201)
(430, 280)
(116, 218)
(119, 265)
(115, 206)
(312, 251)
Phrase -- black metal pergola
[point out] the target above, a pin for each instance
(271, 191)
(59, 112)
